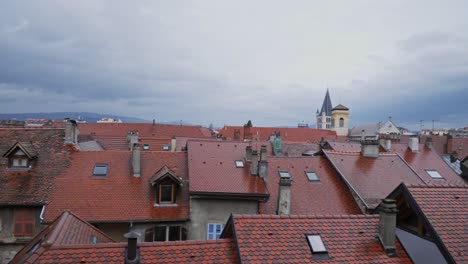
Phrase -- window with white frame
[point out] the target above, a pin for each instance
(434, 174)
(214, 231)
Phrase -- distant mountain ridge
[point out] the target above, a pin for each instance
(85, 116)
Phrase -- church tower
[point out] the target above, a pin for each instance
(324, 116)
(333, 118)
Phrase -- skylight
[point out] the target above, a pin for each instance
(146, 147)
(284, 174)
(166, 148)
(239, 164)
(312, 176)
(100, 170)
(434, 174)
(317, 247)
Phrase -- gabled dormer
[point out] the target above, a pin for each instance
(20, 156)
(166, 185)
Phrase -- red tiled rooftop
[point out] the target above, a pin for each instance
(345, 146)
(275, 239)
(212, 168)
(287, 134)
(372, 178)
(119, 196)
(460, 145)
(439, 143)
(446, 209)
(328, 196)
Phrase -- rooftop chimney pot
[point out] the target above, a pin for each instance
(254, 163)
(71, 131)
(429, 142)
(248, 153)
(132, 255)
(370, 148)
(387, 225)
(284, 196)
(136, 161)
(263, 152)
(413, 144)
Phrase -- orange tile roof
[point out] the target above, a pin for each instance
(372, 178)
(328, 196)
(212, 168)
(119, 196)
(282, 239)
(287, 134)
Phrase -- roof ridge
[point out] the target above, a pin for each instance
(312, 216)
(448, 185)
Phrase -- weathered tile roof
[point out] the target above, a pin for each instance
(119, 196)
(328, 196)
(427, 159)
(32, 187)
(275, 239)
(460, 145)
(345, 146)
(287, 134)
(440, 143)
(372, 178)
(445, 207)
(217, 251)
(212, 168)
(291, 149)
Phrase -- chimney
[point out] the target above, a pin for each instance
(132, 139)
(71, 131)
(413, 143)
(132, 255)
(429, 142)
(136, 160)
(284, 196)
(173, 144)
(248, 153)
(263, 169)
(254, 163)
(386, 143)
(387, 225)
(263, 152)
(370, 148)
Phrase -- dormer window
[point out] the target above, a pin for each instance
(19, 160)
(19, 156)
(166, 185)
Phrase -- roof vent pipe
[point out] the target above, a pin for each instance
(387, 226)
(429, 142)
(132, 255)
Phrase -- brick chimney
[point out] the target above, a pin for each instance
(429, 142)
(387, 225)
(71, 131)
(173, 144)
(136, 160)
(132, 139)
(254, 163)
(263, 169)
(284, 196)
(248, 153)
(413, 143)
(132, 254)
(370, 148)
(263, 152)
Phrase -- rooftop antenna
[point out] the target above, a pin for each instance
(433, 121)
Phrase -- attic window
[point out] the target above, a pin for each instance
(434, 174)
(312, 176)
(100, 170)
(239, 164)
(317, 247)
(146, 147)
(284, 174)
(166, 148)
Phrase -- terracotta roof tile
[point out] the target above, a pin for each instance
(327, 196)
(460, 145)
(119, 196)
(287, 134)
(144, 130)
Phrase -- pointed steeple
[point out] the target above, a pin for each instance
(327, 105)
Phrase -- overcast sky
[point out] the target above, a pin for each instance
(225, 62)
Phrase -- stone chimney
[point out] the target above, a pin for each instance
(71, 131)
(132, 254)
(136, 160)
(248, 153)
(173, 144)
(263, 169)
(254, 163)
(370, 148)
(386, 143)
(263, 152)
(387, 225)
(413, 143)
(132, 139)
(429, 142)
(284, 196)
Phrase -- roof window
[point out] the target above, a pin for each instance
(312, 176)
(284, 174)
(239, 164)
(100, 170)
(317, 247)
(146, 147)
(434, 174)
(166, 148)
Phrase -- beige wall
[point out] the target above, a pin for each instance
(336, 115)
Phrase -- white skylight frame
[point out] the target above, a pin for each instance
(146, 146)
(97, 170)
(284, 174)
(312, 176)
(239, 163)
(316, 244)
(434, 174)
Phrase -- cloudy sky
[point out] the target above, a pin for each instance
(225, 62)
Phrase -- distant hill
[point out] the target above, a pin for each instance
(86, 116)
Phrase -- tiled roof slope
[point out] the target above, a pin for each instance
(446, 209)
(212, 168)
(297, 149)
(328, 196)
(33, 186)
(119, 196)
(144, 130)
(345, 146)
(219, 251)
(67, 229)
(372, 178)
(427, 159)
(275, 239)
(287, 134)
(439, 143)
(460, 145)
